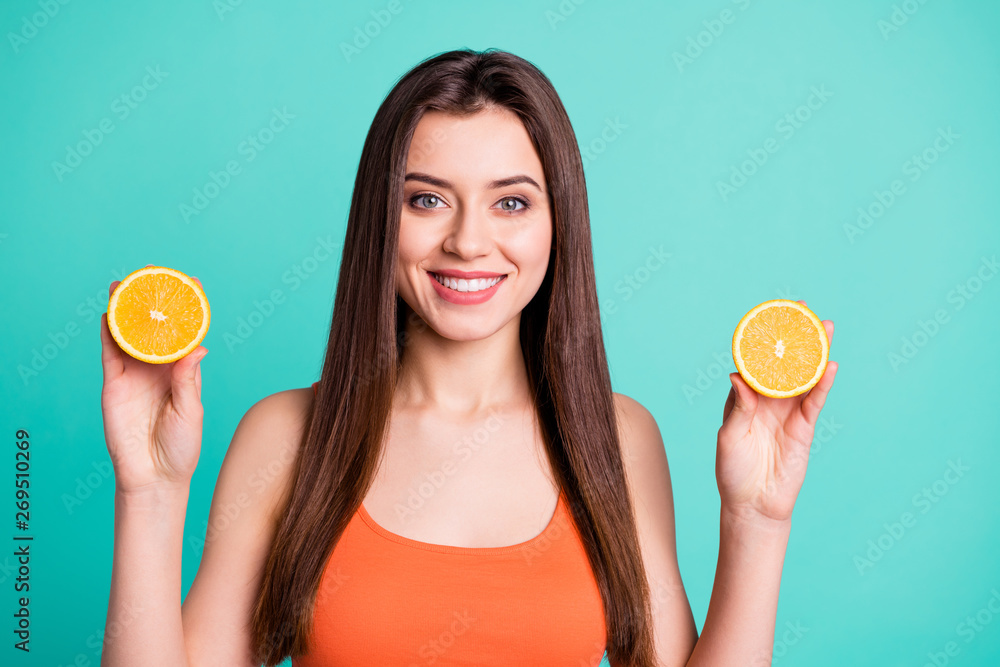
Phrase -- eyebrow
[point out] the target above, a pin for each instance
(492, 185)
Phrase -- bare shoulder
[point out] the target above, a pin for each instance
(268, 438)
(641, 440)
(289, 408)
(648, 476)
(643, 456)
(252, 484)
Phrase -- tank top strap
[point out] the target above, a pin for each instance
(314, 387)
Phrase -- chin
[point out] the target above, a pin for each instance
(468, 330)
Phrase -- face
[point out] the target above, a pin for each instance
(476, 218)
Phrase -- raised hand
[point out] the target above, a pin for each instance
(152, 415)
(763, 445)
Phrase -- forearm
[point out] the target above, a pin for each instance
(144, 611)
(739, 625)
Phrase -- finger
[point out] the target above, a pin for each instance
(803, 302)
(197, 380)
(814, 400)
(111, 289)
(730, 402)
(112, 356)
(744, 408)
(828, 325)
(198, 281)
(184, 382)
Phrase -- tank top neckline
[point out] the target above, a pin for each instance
(451, 549)
(468, 551)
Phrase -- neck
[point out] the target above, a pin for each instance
(461, 378)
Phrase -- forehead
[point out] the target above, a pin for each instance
(473, 149)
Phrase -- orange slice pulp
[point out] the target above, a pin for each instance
(780, 348)
(158, 315)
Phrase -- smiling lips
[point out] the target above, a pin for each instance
(466, 287)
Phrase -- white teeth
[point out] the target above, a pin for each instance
(462, 285)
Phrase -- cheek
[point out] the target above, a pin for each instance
(409, 254)
(412, 244)
(534, 250)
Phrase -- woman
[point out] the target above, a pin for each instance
(464, 487)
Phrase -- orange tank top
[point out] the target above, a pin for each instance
(387, 600)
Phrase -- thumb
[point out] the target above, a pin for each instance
(185, 382)
(744, 408)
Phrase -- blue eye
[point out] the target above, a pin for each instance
(432, 199)
(512, 204)
(514, 201)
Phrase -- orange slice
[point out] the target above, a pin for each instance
(158, 315)
(780, 348)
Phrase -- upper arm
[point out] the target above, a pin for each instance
(251, 486)
(648, 477)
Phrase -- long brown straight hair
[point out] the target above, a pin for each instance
(560, 335)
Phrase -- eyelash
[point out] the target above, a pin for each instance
(420, 195)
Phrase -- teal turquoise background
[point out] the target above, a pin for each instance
(669, 102)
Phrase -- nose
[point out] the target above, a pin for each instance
(468, 235)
